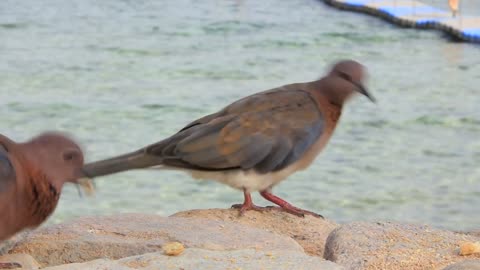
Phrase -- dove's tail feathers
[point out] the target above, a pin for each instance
(134, 160)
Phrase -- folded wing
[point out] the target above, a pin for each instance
(7, 172)
(265, 132)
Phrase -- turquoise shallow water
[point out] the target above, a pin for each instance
(122, 74)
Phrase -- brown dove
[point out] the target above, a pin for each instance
(32, 175)
(256, 142)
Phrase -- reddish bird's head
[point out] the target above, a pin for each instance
(53, 155)
(344, 79)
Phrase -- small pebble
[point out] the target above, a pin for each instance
(469, 248)
(173, 248)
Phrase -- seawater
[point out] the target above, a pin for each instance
(122, 74)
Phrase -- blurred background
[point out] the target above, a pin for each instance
(122, 74)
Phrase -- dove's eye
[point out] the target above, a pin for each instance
(345, 76)
(71, 155)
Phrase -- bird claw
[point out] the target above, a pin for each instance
(300, 212)
(289, 209)
(246, 207)
(295, 211)
(10, 265)
(282, 205)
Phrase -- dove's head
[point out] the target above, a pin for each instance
(344, 79)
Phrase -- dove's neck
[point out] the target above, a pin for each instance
(334, 90)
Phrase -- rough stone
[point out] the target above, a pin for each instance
(310, 232)
(475, 233)
(362, 245)
(120, 236)
(25, 260)
(464, 265)
(194, 259)
(8, 244)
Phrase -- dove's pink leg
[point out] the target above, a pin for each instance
(287, 207)
(247, 204)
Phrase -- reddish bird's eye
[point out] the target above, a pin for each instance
(70, 155)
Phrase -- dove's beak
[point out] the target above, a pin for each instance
(87, 185)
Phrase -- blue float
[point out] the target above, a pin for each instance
(416, 15)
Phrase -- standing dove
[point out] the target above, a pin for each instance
(32, 175)
(255, 142)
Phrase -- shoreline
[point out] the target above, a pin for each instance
(220, 239)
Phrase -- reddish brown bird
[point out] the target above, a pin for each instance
(255, 142)
(32, 175)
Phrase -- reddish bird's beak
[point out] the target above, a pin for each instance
(86, 184)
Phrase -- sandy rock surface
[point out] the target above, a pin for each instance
(125, 235)
(310, 232)
(25, 260)
(383, 245)
(194, 259)
(475, 233)
(465, 265)
(221, 239)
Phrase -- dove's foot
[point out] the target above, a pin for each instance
(247, 204)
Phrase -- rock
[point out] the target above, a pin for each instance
(362, 245)
(310, 232)
(173, 249)
(194, 259)
(8, 244)
(465, 265)
(100, 264)
(120, 236)
(25, 260)
(469, 248)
